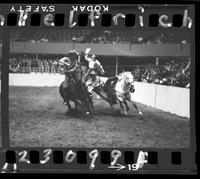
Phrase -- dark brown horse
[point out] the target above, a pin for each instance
(74, 89)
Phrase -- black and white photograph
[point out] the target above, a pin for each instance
(0, 86)
(106, 88)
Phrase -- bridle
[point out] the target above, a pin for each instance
(129, 84)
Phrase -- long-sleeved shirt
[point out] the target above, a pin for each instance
(93, 64)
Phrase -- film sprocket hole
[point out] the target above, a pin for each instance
(98, 88)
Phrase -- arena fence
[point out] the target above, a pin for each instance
(167, 98)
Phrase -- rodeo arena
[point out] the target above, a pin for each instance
(99, 88)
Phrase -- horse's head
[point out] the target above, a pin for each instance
(129, 80)
(128, 77)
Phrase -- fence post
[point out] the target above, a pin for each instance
(116, 66)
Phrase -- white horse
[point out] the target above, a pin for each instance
(121, 92)
(123, 89)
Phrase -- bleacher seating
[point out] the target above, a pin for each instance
(171, 73)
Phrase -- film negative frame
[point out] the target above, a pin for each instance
(93, 160)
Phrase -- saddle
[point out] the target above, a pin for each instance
(109, 88)
(110, 83)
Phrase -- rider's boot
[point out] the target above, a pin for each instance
(90, 91)
(91, 95)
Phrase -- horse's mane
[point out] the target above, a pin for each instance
(126, 72)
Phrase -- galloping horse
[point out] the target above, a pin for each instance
(73, 89)
(120, 92)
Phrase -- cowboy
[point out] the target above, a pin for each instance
(74, 55)
(95, 68)
(67, 63)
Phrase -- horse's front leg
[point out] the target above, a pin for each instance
(92, 106)
(137, 108)
(112, 108)
(69, 106)
(127, 108)
(124, 111)
(83, 107)
(76, 105)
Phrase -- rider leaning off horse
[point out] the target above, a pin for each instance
(95, 68)
(73, 55)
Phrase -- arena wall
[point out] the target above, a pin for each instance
(173, 99)
(36, 79)
(167, 98)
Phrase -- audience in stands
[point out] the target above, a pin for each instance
(175, 74)
(172, 73)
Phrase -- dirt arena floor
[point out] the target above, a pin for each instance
(38, 118)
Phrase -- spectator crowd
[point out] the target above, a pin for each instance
(173, 72)
(20, 64)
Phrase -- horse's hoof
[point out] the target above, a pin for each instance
(87, 113)
(125, 113)
(140, 113)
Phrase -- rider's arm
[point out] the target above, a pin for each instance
(86, 54)
(87, 58)
(99, 64)
(102, 69)
(75, 66)
(188, 65)
(62, 60)
(79, 57)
